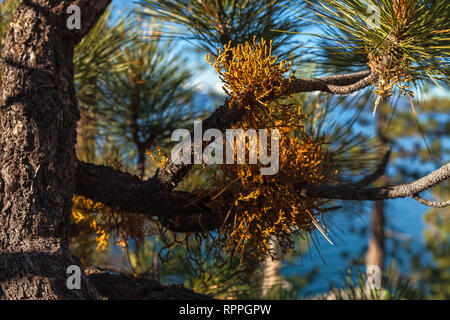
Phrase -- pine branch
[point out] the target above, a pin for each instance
(352, 192)
(371, 178)
(436, 204)
(168, 176)
(184, 212)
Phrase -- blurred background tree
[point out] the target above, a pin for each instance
(143, 105)
(211, 24)
(434, 278)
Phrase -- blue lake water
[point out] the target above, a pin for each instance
(403, 216)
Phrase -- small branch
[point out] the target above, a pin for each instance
(340, 84)
(345, 79)
(436, 204)
(352, 192)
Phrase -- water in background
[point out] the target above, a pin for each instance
(404, 221)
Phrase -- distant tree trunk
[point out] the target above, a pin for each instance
(141, 163)
(271, 271)
(375, 250)
(38, 119)
(271, 275)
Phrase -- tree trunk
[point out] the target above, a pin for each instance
(375, 250)
(38, 118)
(271, 272)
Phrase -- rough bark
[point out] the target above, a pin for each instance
(428, 203)
(338, 84)
(38, 118)
(177, 210)
(375, 249)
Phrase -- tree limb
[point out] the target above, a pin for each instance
(436, 204)
(168, 176)
(155, 197)
(183, 212)
(177, 210)
(352, 192)
(371, 178)
(119, 286)
(339, 84)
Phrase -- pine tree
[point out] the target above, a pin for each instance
(141, 106)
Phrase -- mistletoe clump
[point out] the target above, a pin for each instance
(250, 73)
(262, 207)
(259, 208)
